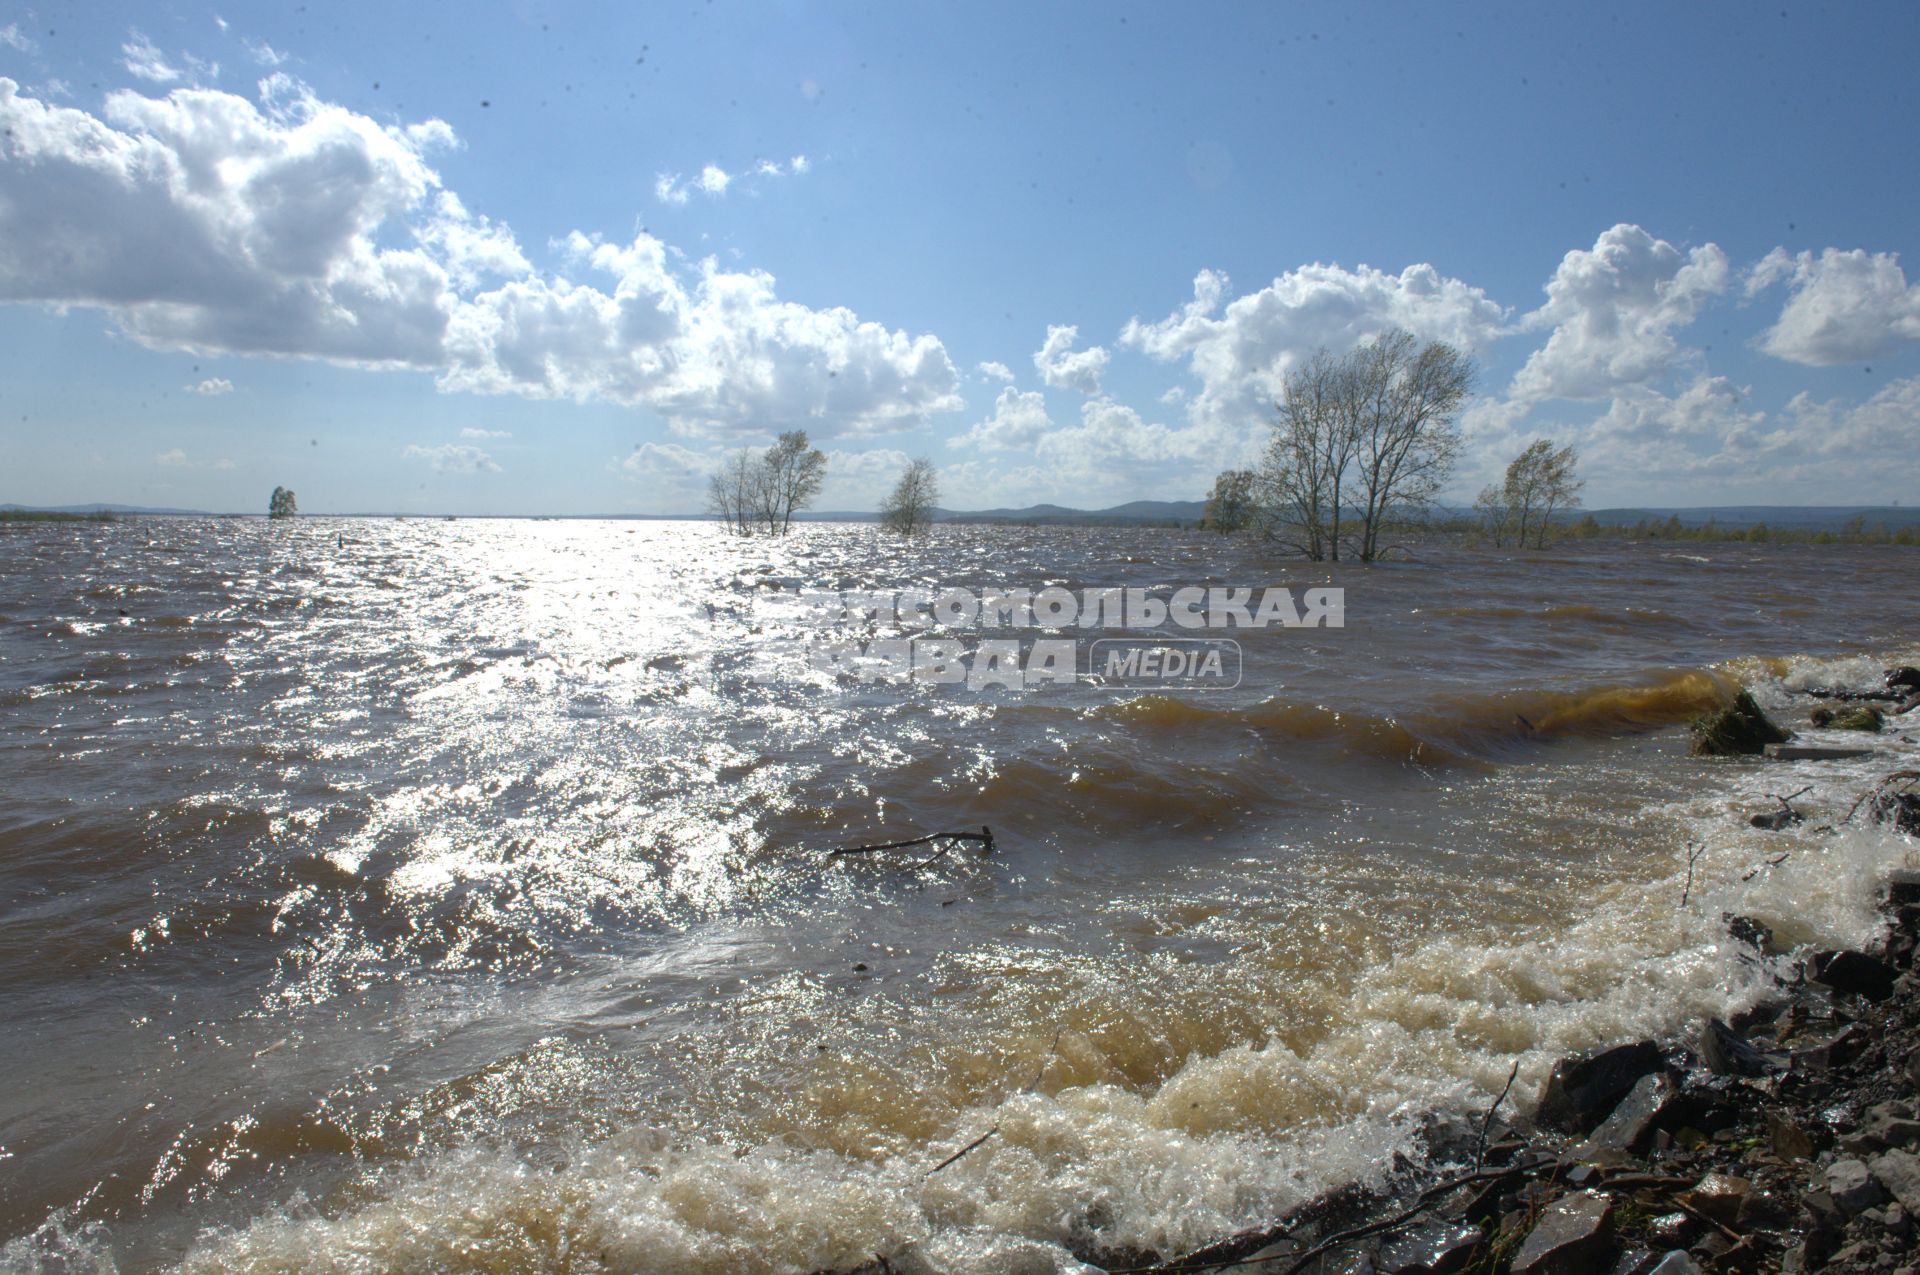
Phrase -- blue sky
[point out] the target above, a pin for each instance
(561, 258)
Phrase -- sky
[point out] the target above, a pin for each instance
(563, 258)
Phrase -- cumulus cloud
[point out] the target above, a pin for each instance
(723, 354)
(452, 458)
(1842, 307)
(1241, 354)
(998, 371)
(471, 432)
(1018, 420)
(212, 386)
(204, 221)
(1061, 366)
(1613, 310)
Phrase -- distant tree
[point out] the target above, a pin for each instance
(281, 504)
(1230, 504)
(792, 473)
(765, 489)
(1538, 481)
(1372, 431)
(908, 509)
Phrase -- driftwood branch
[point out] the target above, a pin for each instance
(1886, 783)
(1486, 1123)
(1052, 1050)
(1694, 850)
(984, 837)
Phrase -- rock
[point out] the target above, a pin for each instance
(1855, 972)
(1674, 1228)
(1763, 1209)
(1678, 1262)
(1903, 887)
(1903, 679)
(1895, 1131)
(1736, 730)
(1910, 1067)
(1582, 1090)
(1811, 752)
(1852, 1186)
(1820, 717)
(1788, 1140)
(1432, 1249)
(1719, 1196)
(1572, 1237)
(1836, 1050)
(1635, 1261)
(1775, 820)
(1745, 929)
(1727, 1054)
(1901, 809)
(1861, 718)
(1899, 1172)
(1631, 1125)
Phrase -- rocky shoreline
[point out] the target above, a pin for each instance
(1786, 1139)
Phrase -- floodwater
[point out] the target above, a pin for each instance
(400, 894)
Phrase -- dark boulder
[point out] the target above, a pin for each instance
(1582, 1090)
(1434, 1248)
(1573, 1237)
(1727, 1053)
(1632, 1124)
(1776, 820)
(1855, 972)
(1901, 809)
(1736, 730)
(1905, 678)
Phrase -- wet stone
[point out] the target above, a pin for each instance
(1582, 1090)
(1571, 1238)
(1855, 972)
(1434, 1249)
(1852, 1186)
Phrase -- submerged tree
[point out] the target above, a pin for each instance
(765, 489)
(1539, 480)
(1364, 440)
(281, 504)
(909, 507)
(1229, 505)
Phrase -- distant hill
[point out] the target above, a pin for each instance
(1134, 511)
(102, 509)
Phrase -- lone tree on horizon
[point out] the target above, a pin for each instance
(1366, 438)
(767, 488)
(281, 504)
(909, 508)
(1539, 480)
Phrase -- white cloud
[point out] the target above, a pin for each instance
(1613, 310)
(141, 58)
(472, 248)
(202, 222)
(175, 458)
(1019, 420)
(1842, 307)
(715, 181)
(471, 432)
(11, 37)
(1242, 356)
(723, 354)
(1869, 432)
(212, 386)
(264, 54)
(1060, 366)
(998, 371)
(452, 458)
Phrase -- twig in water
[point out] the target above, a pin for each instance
(984, 837)
(1770, 863)
(1486, 1123)
(963, 1151)
(1694, 851)
(1032, 1084)
(1787, 801)
(1886, 782)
